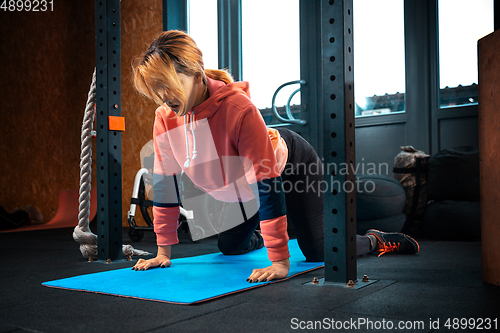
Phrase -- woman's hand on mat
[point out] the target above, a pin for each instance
(278, 270)
(162, 259)
(143, 264)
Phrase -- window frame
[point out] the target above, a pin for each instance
(422, 111)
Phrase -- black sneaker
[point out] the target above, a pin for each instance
(14, 220)
(393, 242)
(257, 242)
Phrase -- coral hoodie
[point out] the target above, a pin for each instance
(224, 147)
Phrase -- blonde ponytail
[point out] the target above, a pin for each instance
(219, 75)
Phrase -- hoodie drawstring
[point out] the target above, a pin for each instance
(195, 153)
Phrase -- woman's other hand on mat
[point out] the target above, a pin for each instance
(143, 264)
(278, 270)
(162, 259)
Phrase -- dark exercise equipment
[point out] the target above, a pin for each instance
(380, 203)
(12, 220)
(211, 210)
(136, 232)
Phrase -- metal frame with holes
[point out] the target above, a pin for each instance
(108, 103)
(337, 126)
(328, 108)
(327, 105)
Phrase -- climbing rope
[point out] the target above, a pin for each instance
(82, 233)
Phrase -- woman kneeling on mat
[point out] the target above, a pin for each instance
(208, 128)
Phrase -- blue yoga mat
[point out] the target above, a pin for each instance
(188, 280)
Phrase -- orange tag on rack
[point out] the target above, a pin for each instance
(116, 123)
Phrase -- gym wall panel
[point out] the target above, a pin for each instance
(489, 148)
(141, 22)
(458, 132)
(46, 64)
(379, 145)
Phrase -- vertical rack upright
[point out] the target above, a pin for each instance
(108, 103)
(327, 65)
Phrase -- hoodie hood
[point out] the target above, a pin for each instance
(213, 130)
(224, 147)
(218, 92)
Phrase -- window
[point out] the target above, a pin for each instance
(461, 24)
(379, 56)
(203, 29)
(271, 51)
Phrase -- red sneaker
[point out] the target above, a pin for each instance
(393, 242)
